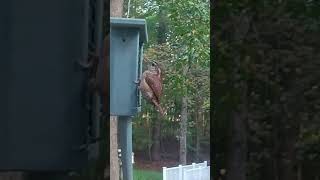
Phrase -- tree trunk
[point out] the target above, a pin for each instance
(299, 163)
(183, 131)
(155, 149)
(238, 147)
(162, 29)
(116, 10)
(290, 130)
(299, 172)
(198, 116)
(288, 160)
(237, 157)
(116, 7)
(276, 144)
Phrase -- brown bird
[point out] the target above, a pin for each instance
(151, 85)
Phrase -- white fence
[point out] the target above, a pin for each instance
(194, 171)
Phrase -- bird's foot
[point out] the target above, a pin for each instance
(84, 65)
(137, 81)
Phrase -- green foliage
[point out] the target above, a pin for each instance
(142, 137)
(266, 54)
(184, 58)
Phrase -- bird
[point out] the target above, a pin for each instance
(150, 85)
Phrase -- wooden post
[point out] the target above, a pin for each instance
(116, 10)
(114, 162)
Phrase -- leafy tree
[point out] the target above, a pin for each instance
(183, 51)
(263, 70)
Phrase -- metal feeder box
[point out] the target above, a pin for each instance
(126, 55)
(43, 117)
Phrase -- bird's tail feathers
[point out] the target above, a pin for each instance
(159, 108)
(161, 111)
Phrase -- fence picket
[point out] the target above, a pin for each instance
(180, 171)
(200, 171)
(164, 173)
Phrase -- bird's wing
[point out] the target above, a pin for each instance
(155, 84)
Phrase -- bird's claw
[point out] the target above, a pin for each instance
(137, 81)
(83, 65)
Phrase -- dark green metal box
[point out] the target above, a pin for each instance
(43, 120)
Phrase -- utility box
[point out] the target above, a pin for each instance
(126, 56)
(43, 116)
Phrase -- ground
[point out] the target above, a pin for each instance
(141, 162)
(148, 170)
(155, 166)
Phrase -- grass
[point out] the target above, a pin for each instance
(139, 174)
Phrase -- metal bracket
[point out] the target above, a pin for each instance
(138, 108)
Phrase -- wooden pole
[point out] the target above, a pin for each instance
(116, 10)
(114, 161)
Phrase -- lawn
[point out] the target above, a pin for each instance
(139, 174)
